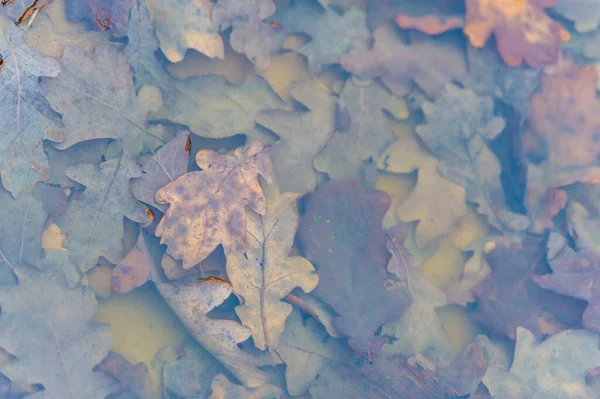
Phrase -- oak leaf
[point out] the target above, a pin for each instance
(208, 208)
(104, 14)
(222, 388)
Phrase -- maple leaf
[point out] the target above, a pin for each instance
(104, 202)
(185, 24)
(328, 31)
(435, 218)
(458, 126)
(264, 273)
(508, 298)
(307, 351)
(222, 388)
(166, 165)
(368, 129)
(135, 379)
(340, 233)
(249, 34)
(191, 303)
(27, 118)
(302, 135)
(104, 14)
(95, 96)
(429, 63)
(214, 108)
(522, 29)
(208, 208)
(570, 354)
(49, 331)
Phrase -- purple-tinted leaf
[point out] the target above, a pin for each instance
(135, 379)
(341, 235)
(133, 270)
(166, 165)
(103, 14)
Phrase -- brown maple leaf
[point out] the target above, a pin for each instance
(522, 29)
(208, 208)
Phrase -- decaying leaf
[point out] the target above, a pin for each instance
(585, 13)
(26, 116)
(366, 130)
(523, 30)
(340, 233)
(220, 337)
(208, 208)
(458, 127)
(103, 14)
(214, 108)
(423, 204)
(307, 351)
(133, 270)
(328, 30)
(95, 96)
(429, 63)
(185, 24)
(249, 34)
(135, 379)
(264, 273)
(90, 151)
(222, 388)
(554, 368)
(430, 24)
(508, 298)
(302, 135)
(166, 165)
(104, 202)
(49, 331)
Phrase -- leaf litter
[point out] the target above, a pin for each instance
(249, 201)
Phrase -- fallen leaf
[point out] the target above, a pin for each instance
(264, 273)
(141, 49)
(191, 303)
(430, 24)
(302, 135)
(103, 14)
(570, 354)
(328, 30)
(54, 342)
(222, 388)
(95, 96)
(340, 233)
(27, 118)
(523, 30)
(435, 217)
(133, 270)
(477, 268)
(367, 130)
(429, 63)
(135, 379)
(187, 372)
(390, 377)
(458, 127)
(185, 24)
(90, 151)
(249, 34)
(208, 208)
(214, 108)
(166, 165)
(585, 13)
(508, 298)
(307, 351)
(105, 201)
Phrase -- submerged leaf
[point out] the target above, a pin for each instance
(302, 135)
(220, 337)
(263, 274)
(26, 116)
(96, 99)
(103, 204)
(104, 14)
(135, 379)
(340, 233)
(222, 388)
(569, 356)
(49, 330)
(133, 270)
(585, 13)
(368, 132)
(208, 208)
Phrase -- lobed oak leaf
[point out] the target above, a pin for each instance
(134, 378)
(222, 388)
(103, 14)
(208, 208)
(523, 30)
(133, 270)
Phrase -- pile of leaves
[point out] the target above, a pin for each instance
(312, 237)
